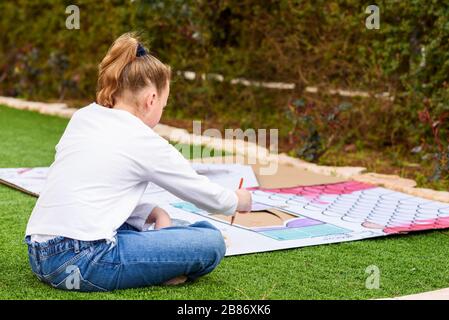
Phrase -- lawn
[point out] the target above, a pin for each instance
(408, 264)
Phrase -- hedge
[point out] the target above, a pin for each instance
(308, 43)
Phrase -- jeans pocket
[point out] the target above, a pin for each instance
(69, 274)
(74, 281)
(107, 254)
(54, 266)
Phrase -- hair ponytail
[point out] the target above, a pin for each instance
(127, 67)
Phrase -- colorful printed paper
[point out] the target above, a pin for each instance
(304, 216)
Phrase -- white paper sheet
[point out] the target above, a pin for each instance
(320, 214)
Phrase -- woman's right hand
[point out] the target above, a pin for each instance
(245, 200)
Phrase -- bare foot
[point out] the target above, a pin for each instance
(176, 281)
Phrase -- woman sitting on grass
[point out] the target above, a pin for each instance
(88, 230)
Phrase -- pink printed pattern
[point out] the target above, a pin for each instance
(372, 207)
(314, 192)
(317, 190)
(420, 225)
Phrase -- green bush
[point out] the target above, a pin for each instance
(320, 43)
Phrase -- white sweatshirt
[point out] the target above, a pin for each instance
(103, 163)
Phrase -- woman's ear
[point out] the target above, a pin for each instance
(150, 100)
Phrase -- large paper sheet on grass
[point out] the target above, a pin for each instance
(287, 217)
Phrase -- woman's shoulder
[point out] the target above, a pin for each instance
(94, 110)
(85, 109)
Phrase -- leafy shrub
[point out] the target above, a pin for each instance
(320, 43)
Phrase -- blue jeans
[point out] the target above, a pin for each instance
(136, 259)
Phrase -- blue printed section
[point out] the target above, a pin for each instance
(305, 232)
(304, 228)
(189, 207)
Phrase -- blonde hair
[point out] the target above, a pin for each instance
(123, 69)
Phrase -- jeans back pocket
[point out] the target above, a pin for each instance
(75, 281)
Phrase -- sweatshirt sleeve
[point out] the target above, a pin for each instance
(165, 166)
(138, 218)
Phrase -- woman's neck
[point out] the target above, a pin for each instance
(125, 107)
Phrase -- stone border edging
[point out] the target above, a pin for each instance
(192, 75)
(252, 151)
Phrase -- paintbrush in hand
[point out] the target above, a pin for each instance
(240, 187)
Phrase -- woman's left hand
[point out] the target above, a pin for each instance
(160, 218)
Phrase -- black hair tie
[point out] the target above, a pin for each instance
(140, 51)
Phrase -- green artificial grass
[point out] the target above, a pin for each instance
(408, 264)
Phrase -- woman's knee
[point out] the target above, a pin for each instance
(217, 240)
(204, 225)
(213, 245)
